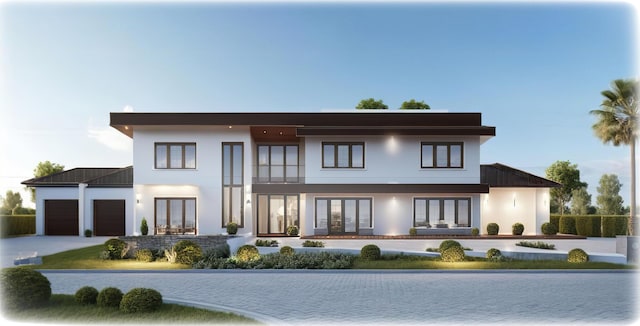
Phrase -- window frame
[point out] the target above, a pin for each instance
(342, 208)
(231, 185)
(167, 146)
(285, 197)
(434, 155)
(442, 208)
(335, 146)
(167, 221)
(286, 178)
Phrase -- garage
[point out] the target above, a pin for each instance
(108, 217)
(61, 217)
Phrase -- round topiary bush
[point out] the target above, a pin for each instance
(493, 253)
(452, 254)
(115, 248)
(24, 288)
(232, 228)
(517, 229)
(446, 244)
(577, 255)
(141, 300)
(413, 231)
(548, 228)
(287, 251)
(188, 252)
(144, 255)
(475, 232)
(247, 253)
(109, 297)
(292, 230)
(370, 252)
(493, 229)
(86, 295)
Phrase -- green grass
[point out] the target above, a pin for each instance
(420, 262)
(89, 258)
(64, 308)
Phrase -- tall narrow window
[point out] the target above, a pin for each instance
(343, 155)
(232, 183)
(442, 155)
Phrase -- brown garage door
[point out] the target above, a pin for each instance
(108, 217)
(61, 217)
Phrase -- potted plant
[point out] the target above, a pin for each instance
(232, 228)
(144, 228)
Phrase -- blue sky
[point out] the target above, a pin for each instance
(534, 70)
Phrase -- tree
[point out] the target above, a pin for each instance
(11, 202)
(580, 202)
(43, 169)
(568, 176)
(371, 104)
(414, 105)
(609, 201)
(618, 124)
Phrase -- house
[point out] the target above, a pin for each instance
(328, 173)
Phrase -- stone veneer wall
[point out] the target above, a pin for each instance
(168, 241)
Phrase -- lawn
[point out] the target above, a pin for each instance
(64, 308)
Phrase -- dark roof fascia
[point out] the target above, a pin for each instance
(384, 131)
(124, 121)
(40, 182)
(369, 188)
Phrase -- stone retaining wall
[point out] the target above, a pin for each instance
(168, 241)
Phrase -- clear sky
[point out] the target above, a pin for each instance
(534, 71)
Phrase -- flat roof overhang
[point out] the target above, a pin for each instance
(388, 131)
(368, 188)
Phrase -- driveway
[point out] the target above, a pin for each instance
(25, 246)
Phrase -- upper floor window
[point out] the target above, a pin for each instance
(343, 155)
(278, 163)
(442, 155)
(175, 155)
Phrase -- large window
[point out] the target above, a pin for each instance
(175, 215)
(232, 183)
(278, 163)
(442, 155)
(431, 211)
(343, 215)
(277, 212)
(175, 155)
(342, 155)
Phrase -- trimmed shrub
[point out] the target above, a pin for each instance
(287, 251)
(493, 253)
(17, 225)
(493, 229)
(537, 244)
(144, 255)
(266, 243)
(24, 288)
(144, 228)
(187, 252)
(621, 225)
(475, 232)
(413, 231)
(567, 224)
(115, 248)
(577, 255)
(370, 252)
(446, 244)
(452, 254)
(232, 228)
(109, 297)
(555, 220)
(517, 229)
(309, 243)
(141, 300)
(88, 233)
(220, 251)
(583, 225)
(292, 230)
(548, 228)
(247, 253)
(86, 295)
(596, 226)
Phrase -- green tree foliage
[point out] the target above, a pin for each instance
(580, 202)
(414, 105)
(11, 202)
(609, 200)
(618, 124)
(568, 176)
(371, 104)
(43, 169)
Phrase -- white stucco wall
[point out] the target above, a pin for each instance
(51, 193)
(507, 206)
(204, 183)
(92, 194)
(392, 159)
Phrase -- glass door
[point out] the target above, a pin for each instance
(343, 218)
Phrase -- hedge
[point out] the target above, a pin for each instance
(591, 225)
(17, 225)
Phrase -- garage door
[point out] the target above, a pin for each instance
(108, 217)
(61, 217)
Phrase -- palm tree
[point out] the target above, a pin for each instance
(618, 124)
